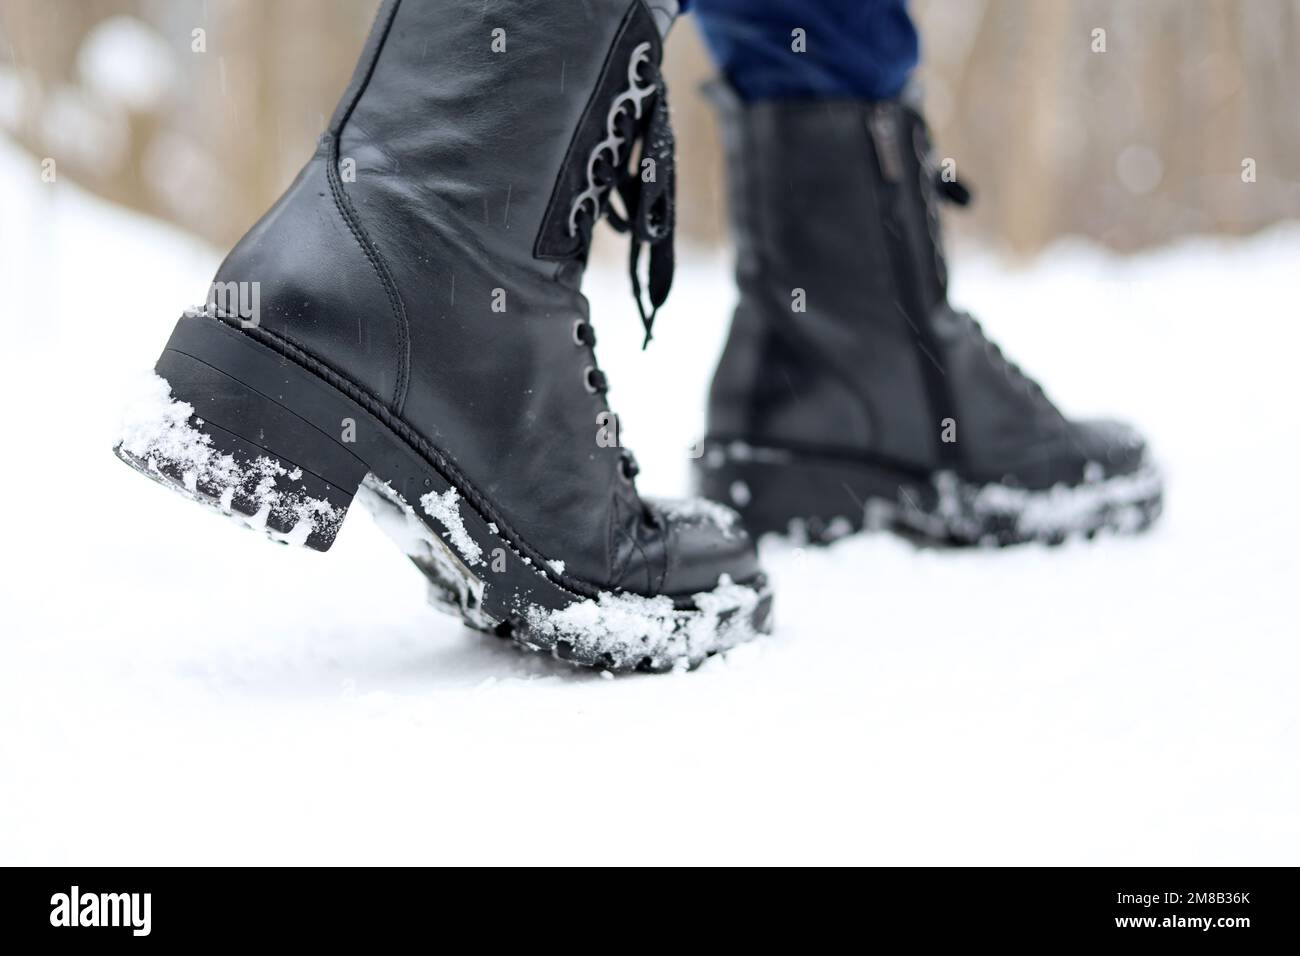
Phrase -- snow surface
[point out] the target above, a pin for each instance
(179, 690)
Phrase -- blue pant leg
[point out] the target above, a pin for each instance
(858, 49)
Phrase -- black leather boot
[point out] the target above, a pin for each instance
(406, 324)
(850, 391)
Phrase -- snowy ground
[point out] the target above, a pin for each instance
(180, 691)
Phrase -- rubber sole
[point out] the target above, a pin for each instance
(821, 499)
(261, 433)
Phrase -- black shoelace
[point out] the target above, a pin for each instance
(647, 191)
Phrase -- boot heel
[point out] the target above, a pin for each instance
(202, 430)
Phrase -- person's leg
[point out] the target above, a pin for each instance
(807, 49)
(849, 388)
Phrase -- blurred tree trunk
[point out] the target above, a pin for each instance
(1133, 146)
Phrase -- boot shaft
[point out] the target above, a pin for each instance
(843, 340)
(430, 252)
(477, 121)
(836, 266)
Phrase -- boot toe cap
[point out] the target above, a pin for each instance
(705, 541)
(1117, 447)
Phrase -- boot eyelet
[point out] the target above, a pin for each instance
(628, 468)
(591, 379)
(581, 332)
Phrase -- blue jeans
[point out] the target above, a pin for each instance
(859, 49)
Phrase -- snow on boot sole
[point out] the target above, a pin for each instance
(821, 499)
(246, 424)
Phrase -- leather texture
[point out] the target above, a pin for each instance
(419, 279)
(843, 371)
(839, 201)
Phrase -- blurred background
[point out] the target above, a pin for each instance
(201, 111)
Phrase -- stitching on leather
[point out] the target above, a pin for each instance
(349, 214)
(612, 535)
(618, 532)
(621, 510)
(664, 550)
(339, 121)
(353, 220)
(645, 561)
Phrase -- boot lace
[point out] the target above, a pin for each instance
(936, 187)
(646, 188)
(647, 191)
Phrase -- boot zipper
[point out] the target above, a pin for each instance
(882, 126)
(884, 137)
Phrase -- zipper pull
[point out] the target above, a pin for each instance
(883, 127)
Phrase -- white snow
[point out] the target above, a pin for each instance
(631, 627)
(702, 510)
(1128, 700)
(156, 431)
(445, 509)
(1071, 507)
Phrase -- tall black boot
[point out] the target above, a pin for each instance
(850, 391)
(406, 323)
